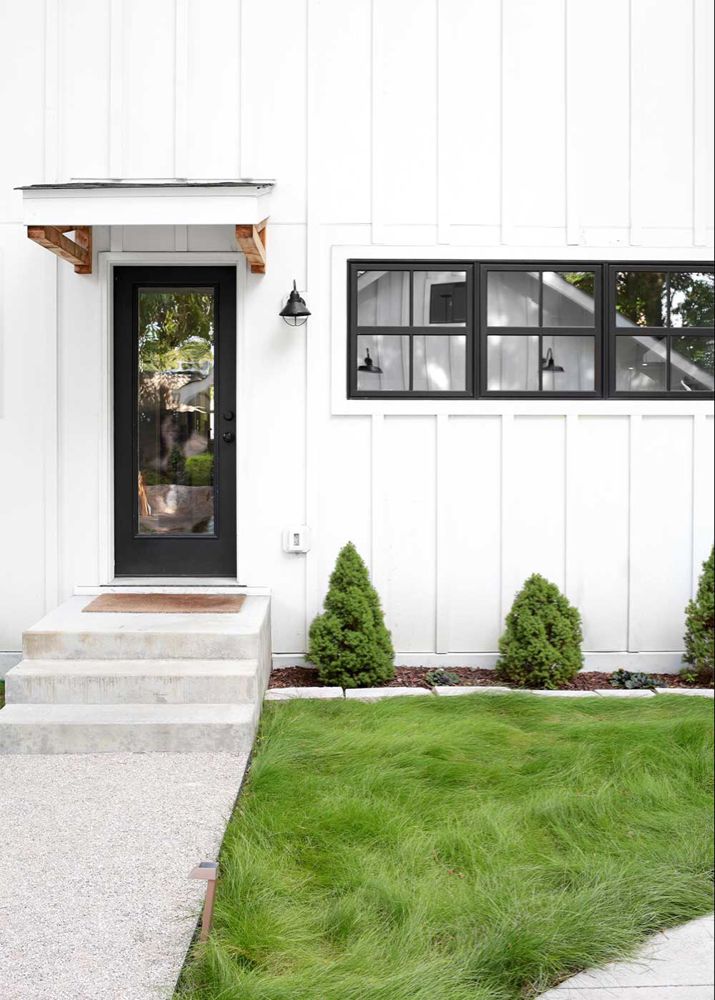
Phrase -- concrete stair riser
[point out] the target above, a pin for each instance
(117, 682)
(50, 729)
(94, 683)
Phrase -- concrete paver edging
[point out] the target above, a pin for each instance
(377, 694)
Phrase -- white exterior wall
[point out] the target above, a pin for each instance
(557, 129)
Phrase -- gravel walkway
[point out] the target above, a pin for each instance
(674, 965)
(95, 852)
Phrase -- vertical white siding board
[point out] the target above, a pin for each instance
(181, 89)
(597, 106)
(22, 32)
(662, 126)
(471, 549)
(703, 492)
(703, 118)
(409, 543)
(443, 500)
(469, 113)
(534, 539)
(636, 499)
(509, 510)
(662, 531)
(148, 88)
(116, 88)
(598, 525)
(273, 463)
(213, 89)
(52, 91)
(340, 51)
(534, 116)
(405, 113)
(273, 101)
(377, 494)
(85, 110)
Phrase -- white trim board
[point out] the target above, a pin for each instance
(659, 663)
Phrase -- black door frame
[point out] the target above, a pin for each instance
(187, 555)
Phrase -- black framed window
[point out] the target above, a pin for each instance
(541, 330)
(661, 331)
(411, 330)
(481, 329)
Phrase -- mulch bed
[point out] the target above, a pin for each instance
(282, 677)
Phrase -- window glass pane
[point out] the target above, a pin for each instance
(691, 363)
(576, 356)
(383, 298)
(569, 298)
(440, 364)
(383, 363)
(641, 298)
(440, 298)
(175, 411)
(692, 298)
(640, 364)
(513, 363)
(513, 298)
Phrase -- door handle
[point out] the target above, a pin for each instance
(229, 437)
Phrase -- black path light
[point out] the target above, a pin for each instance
(549, 365)
(369, 366)
(295, 312)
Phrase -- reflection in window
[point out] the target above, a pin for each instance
(439, 364)
(575, 356)
(175, 411)
(691, 364)
(383, 298)
(641, 363)
(641, 298)
(569, 298)
(383, 363)
(512, 363)
(692, 299)
(440, 298)
(513, 298)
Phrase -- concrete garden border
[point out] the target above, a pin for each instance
(378, 694)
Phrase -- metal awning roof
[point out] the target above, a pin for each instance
(147, 202)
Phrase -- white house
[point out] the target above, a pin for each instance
(499, 214)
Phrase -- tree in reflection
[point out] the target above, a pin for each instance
(176, 330)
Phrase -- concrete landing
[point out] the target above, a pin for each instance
(108, 683)
(95, 900)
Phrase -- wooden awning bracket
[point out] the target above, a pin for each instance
(252, 240)
(77, 251)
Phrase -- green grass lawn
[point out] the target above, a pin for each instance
(473, 848)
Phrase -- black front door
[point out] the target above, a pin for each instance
(175, 421)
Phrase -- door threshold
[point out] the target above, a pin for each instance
(164, 585)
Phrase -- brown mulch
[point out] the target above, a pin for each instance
(282, 677)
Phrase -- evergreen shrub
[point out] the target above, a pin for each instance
(700, 627)
(541, 644)
(349, 643)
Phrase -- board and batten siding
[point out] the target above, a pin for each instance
(414, 128)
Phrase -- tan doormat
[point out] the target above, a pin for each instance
(167, 604)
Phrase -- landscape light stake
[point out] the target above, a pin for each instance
(208, 871)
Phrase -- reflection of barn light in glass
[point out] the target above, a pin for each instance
(549, 365)
(369, 367)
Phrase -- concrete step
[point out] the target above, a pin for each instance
(50, 729)
(69, 633)
(135, 682)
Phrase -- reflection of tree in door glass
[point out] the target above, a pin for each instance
(175, 439)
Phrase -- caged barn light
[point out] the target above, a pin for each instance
(295, 312)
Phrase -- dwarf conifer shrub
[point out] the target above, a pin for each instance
(349, 643)
(700, 626)
(541, 645)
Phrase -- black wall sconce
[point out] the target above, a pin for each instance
(549, 365)
(295, 312)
